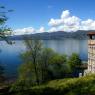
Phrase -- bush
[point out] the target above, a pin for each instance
(72, 86)
(68, 86)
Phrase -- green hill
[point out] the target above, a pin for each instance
(70, 86)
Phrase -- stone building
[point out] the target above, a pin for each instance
(91, 53)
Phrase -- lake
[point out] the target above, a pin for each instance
(10, 54)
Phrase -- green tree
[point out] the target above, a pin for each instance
(4, 30)
(31, 58)
(41, 64)
(45, 57)
(75, 62)
(26, 73)
(60, 68)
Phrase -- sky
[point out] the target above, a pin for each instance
(37, 16)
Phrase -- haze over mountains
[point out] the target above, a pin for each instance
(80, 34)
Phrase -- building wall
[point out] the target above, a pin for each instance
(91, 56)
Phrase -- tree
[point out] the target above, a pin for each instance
(41, 64)
(45, 57)
(74, 61)
(60, 68)
(4, 32)
(31, 56)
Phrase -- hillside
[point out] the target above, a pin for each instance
(71, 86)
(54, 35)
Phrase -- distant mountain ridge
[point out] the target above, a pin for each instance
(80, 34)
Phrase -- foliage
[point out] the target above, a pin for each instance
(68, 86)
(45, 57)
(75, 62)
(60, 68)
(31, 67)
(26, 73)
(42, 64)
(4, 31)
(49, 65)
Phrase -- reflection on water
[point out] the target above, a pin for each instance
(10, 54)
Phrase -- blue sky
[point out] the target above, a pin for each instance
(37, 14)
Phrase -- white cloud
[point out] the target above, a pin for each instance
(71, 21)
(68, 28)
(67, 22)
(53, 29)
(88, 24)
(65, 14)
(28, 30)
(55, 22)
(42, 29)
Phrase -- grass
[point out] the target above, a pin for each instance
(73, 86)
(69, 86)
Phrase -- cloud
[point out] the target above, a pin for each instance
(53, 29)
(42, 29)
(88, 24)
(68, 23)
(28, 30)
(55, 22)
(65, 14)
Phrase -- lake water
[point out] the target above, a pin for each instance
(10, 54)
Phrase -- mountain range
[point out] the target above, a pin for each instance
(80, 34)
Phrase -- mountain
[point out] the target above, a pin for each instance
(80, 34)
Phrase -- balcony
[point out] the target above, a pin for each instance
(91, 42)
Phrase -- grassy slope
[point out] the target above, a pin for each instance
(70, 86)
(73, 86)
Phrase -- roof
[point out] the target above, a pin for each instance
(91, 33)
